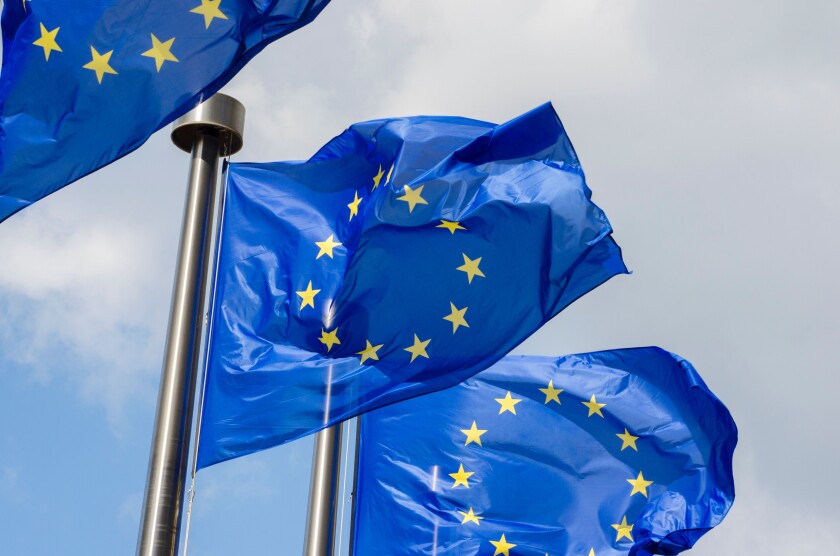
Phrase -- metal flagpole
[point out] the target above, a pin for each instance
(323, 493)
(212, 129)
(354, 493)
(323, 485)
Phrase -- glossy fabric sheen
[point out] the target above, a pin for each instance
(517, 191)
(550, 478)
(58, 123)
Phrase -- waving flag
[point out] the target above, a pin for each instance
(86, 82)
(602, 454)
(405, 256)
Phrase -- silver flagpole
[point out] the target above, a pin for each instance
(323, 485)
(354, 492)
(323, 493)
(212, 129)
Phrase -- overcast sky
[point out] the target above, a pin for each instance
(709, 133)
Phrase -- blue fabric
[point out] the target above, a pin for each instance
(58, 122)
(521, 205)
(551, 478)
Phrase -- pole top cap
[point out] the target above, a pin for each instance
(220, 113)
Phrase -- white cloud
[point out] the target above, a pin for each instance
(76, 292)
(763, 522)
(293, 126)
(471, 61)
(57, 259)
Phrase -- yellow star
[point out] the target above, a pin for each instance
(412, 197)
(591, 552)
(388, 177)
(210, 10)
(160, 52)
(470, 516)
(639, 485)
(461, 477)
(99, 64)
(307, 296)
(470, 266)
(329, 339)
(326, 247)
(594, 407)
(451, 226)
(628, 439)
(473, 434)
(47, 40)
(502, 546)
(354, 206)
(623, 529)
(508, 403)
(551, 393)
(456, 317)
(418, 349)
(369, 352)
(377, 178)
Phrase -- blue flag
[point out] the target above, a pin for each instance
(603, 454)
(86, 82)
(405, 256)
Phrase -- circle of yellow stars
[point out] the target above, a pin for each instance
(330, 245)
(507, 404)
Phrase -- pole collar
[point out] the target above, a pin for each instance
(221, 114)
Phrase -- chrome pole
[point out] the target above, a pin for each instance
(354, 492)
(213, 128)
(323, 493)
(323, 485)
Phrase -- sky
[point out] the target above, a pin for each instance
(709, 134)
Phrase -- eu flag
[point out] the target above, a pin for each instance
(602, 454)
(85, 82)
(405, 256)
